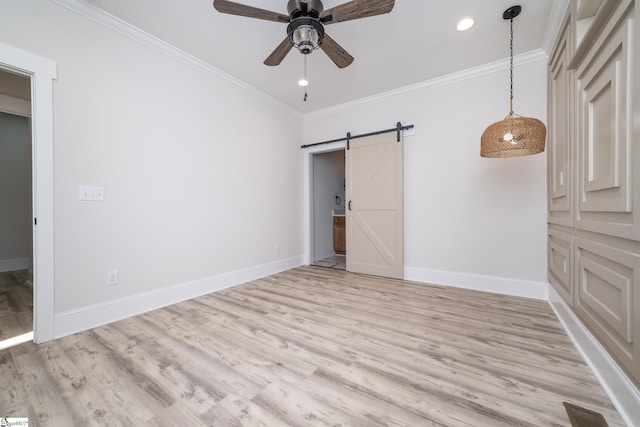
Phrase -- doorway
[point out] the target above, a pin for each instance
(41, 72)
(329, 239)
(16, 238)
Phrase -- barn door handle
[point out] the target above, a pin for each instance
(349, 204)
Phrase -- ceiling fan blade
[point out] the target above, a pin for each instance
(356, 9)
(232, 8)
(279, 53)
(335, 52)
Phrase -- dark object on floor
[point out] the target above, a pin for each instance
(581, 417)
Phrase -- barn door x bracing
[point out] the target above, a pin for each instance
(374, 210)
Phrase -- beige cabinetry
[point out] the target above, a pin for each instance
(594, 173)
(560, 128)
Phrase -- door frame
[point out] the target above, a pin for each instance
(307, 161)
(42, 72)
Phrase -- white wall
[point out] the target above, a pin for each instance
(15, 192)
(201, 176)
(468, 220)
(328, 182)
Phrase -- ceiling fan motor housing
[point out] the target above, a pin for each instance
(305, 29)
(312, 8)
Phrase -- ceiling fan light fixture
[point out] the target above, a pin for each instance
(306, 39)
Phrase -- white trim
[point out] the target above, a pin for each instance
(479, 282)
(43, 72)
(492, 67)
(14, 264)
(134, 33)
(15, 106)
(621, 390)
(13, 341)
(72, 321)
(325, 253)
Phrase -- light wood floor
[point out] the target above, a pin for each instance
(338, 262)
(311, 347)
(16, 304)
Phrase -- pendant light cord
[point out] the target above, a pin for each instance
(511, 71)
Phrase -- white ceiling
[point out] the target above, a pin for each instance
(416, 42)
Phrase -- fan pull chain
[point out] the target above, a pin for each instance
(305, 77)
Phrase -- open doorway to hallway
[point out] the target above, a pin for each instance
(328, 206)
(16, 230)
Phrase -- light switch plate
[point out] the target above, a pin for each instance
(95, 194)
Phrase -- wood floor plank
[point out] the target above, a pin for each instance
(311, 346)
(296, 407)
(16, 303)
(127, 401)
(306, 350)
(175, 415)
(202, 353)
(442, 407)
(12, 392)
(247, 353)
(237, 411)
(44, 404)
(374, 409)
(84, 403)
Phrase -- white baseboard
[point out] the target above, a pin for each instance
(14, 264)
(478, 282)
(325, 253)
(82, 319)
(621, 390)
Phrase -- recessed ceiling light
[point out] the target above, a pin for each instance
(303, 82)
(465, 24)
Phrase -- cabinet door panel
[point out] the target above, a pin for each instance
(560, 253)
(607, 279)
(605, 139)
(560, 153)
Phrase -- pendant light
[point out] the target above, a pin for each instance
(514, 136)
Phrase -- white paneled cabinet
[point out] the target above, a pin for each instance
(594, 173)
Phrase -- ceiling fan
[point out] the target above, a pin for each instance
(306, 20)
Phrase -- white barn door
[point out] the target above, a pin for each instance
(374, 211)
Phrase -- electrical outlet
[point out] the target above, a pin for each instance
(112, 277)
(276, 248)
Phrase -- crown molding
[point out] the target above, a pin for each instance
(116, 24)
(556, 18)
(481, 70)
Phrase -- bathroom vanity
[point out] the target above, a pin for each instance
(339, 234)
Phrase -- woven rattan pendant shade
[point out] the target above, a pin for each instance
(514, 136)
